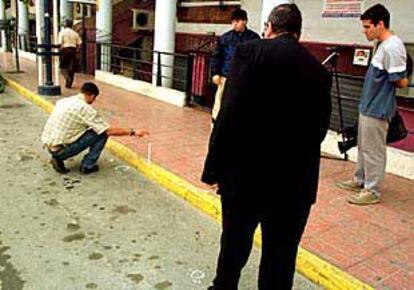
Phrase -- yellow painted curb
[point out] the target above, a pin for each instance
(33, 97)
(308, 264)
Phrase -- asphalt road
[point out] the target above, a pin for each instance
(109, 230)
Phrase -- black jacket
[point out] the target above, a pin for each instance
(274, 115)
(220, 62)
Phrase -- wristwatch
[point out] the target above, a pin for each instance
(132, 132)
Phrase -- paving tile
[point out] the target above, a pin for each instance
(402, 280)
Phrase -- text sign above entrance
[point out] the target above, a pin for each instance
(342, 8)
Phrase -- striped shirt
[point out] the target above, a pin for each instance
(71, 117)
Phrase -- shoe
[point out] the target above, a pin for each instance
(85, 170)
(58, 165)
(364, 197)
(350, 185)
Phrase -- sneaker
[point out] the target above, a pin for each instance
(85, 170)
(349, 185)
(364, 197)
(58, 165)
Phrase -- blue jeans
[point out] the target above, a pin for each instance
(89, 139)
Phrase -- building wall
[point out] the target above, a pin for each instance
(349, 30)
(254, 10)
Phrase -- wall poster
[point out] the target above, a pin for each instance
(342, 8)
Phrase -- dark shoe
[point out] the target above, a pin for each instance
(85, 170)
(59, 166)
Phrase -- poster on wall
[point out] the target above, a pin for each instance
(342, 8)
(361, 56)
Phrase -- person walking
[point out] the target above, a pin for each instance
(253, 131)
(75, 126)
(377, 106)
(69, 41)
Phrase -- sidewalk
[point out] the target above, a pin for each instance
(375, 244)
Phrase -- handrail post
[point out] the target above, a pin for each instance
(159, 72)
(189, 78)
(135, 64)
(98, 56)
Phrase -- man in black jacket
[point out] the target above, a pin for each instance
(275, 112)
(220, 62)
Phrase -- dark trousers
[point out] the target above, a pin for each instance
(89, 139)
(68, 64)
(282, 227)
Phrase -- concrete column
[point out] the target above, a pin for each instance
(23, 29)
(267, 7)
(40, 11)
(164, 40)
(66, 11)
(104, 32)
(3, 31)
(40, 20)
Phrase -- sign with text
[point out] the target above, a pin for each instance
(342, 8)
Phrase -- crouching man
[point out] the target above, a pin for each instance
(74, 126)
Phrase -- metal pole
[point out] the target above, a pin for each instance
(341, 117)
(159, 69)
(48, 88)
(16, 38)
(55, 39)
(83, 39)
(48, 51)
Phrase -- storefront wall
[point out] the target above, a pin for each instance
(348, 30)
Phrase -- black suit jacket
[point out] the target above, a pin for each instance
(274, 115)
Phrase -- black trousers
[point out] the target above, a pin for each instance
(68, 64)
(282, 227)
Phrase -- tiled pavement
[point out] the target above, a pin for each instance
(373, 243)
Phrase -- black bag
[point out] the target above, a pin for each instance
(396, 129)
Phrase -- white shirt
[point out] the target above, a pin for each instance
(69, 38)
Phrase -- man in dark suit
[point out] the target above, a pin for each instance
(275, 112)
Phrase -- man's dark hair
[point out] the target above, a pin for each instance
(68, 23)
(377, 13)
(89, 89)
(239, 14)
(286, 18)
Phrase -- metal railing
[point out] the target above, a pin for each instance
(146, 65)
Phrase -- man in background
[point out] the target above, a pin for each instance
(69, 41)
(220, 62)
(377, 106)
